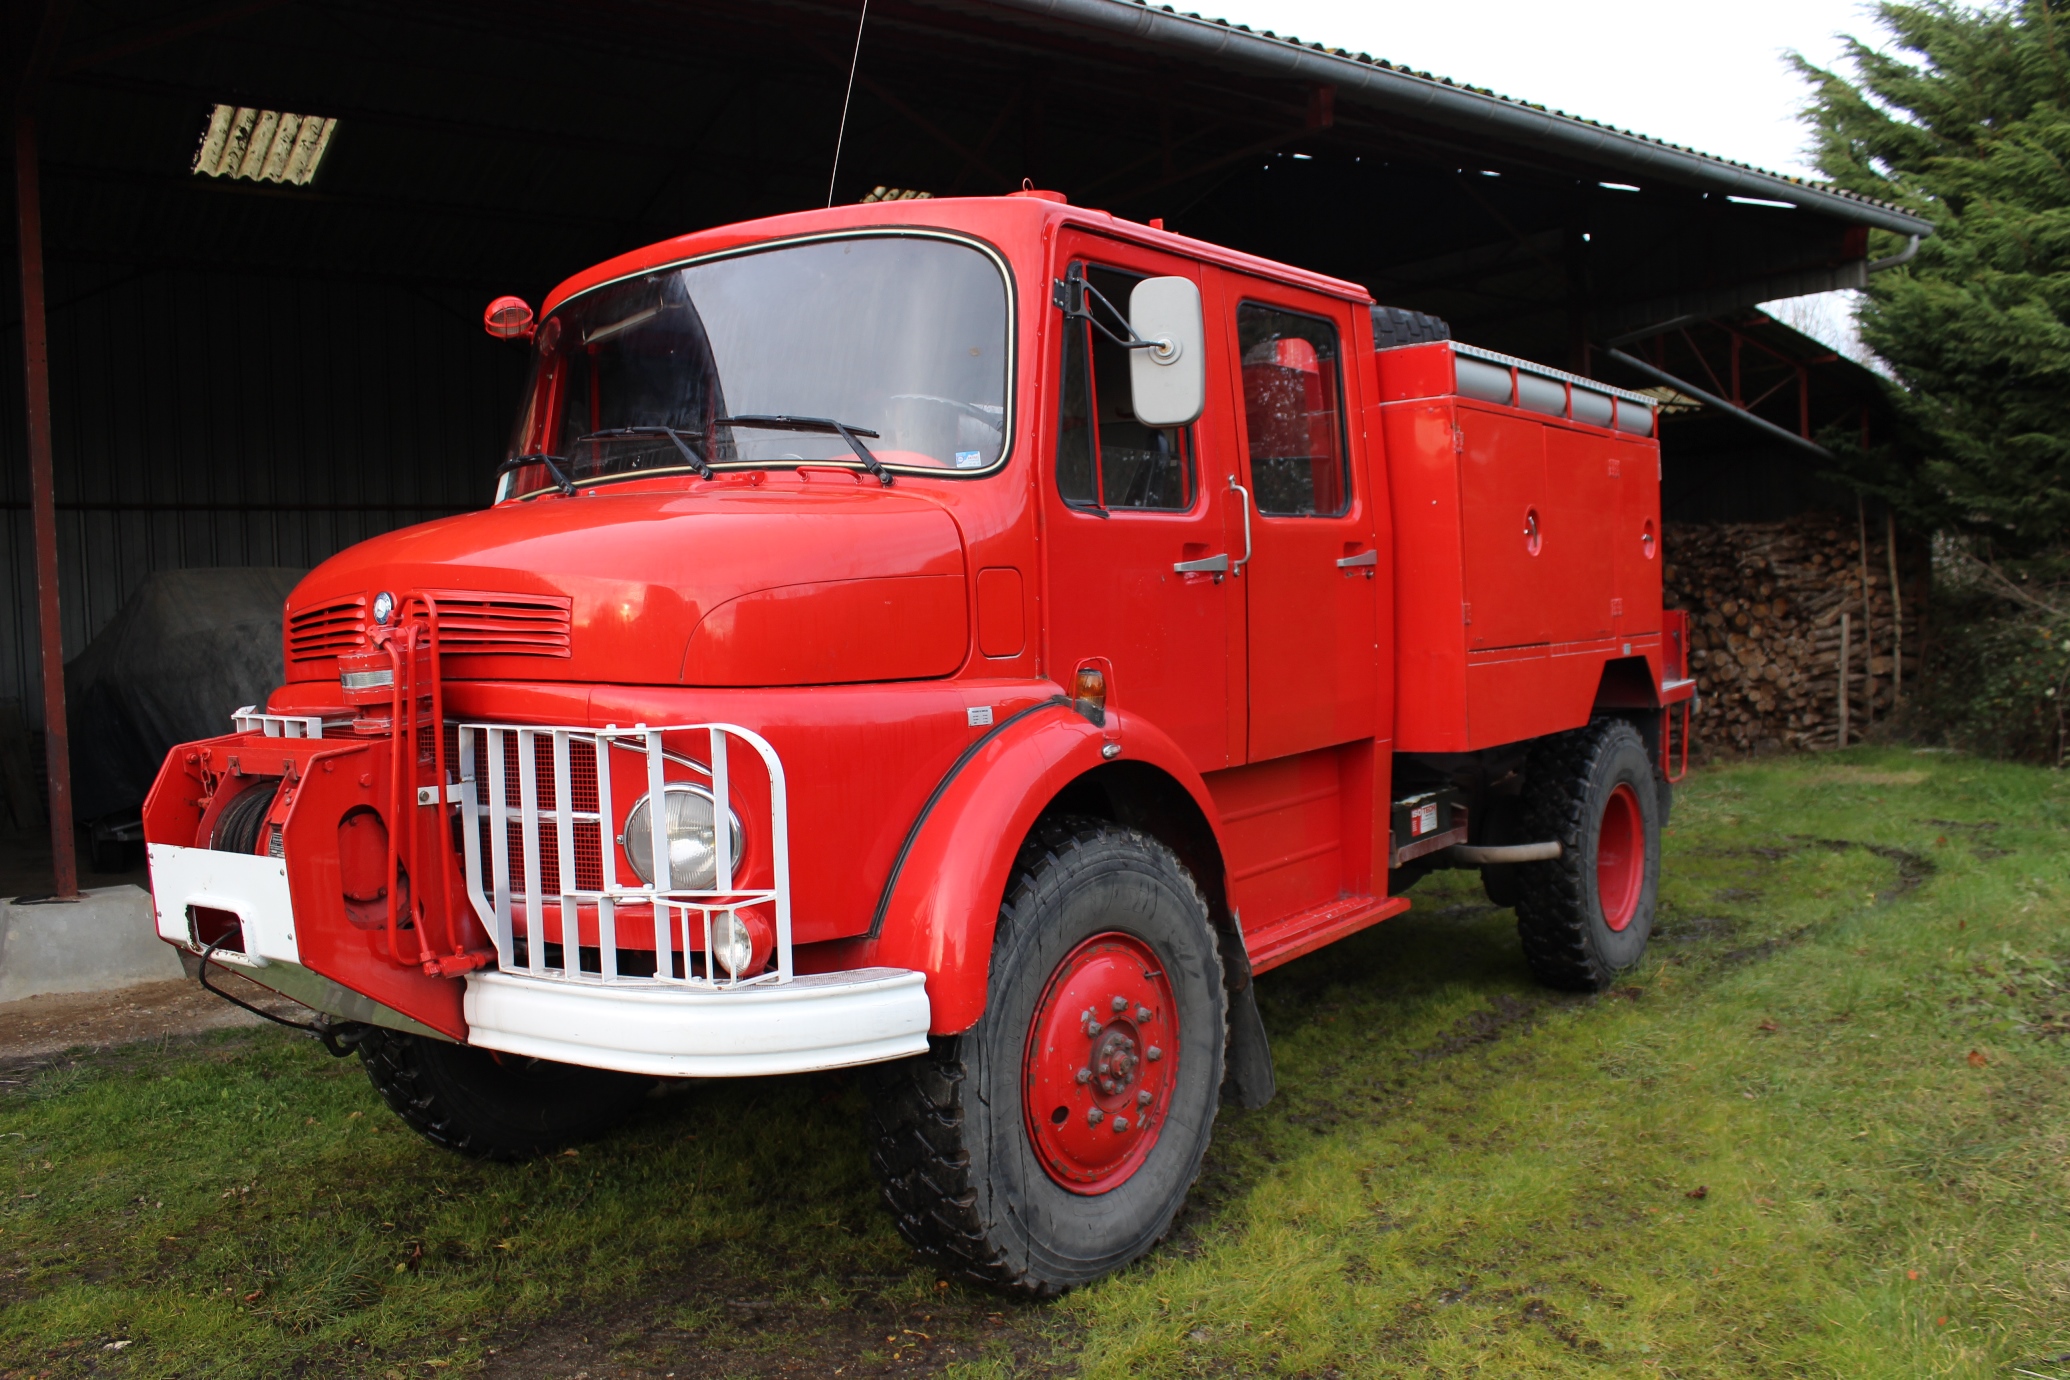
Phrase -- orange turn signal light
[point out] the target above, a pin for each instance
(1089, 693)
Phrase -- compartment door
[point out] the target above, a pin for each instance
(1502, 502)
(1635, 547)
(1582, 483)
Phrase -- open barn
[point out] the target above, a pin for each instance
(254, 240)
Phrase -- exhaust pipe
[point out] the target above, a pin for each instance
(1471, 855)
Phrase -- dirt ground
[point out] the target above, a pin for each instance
(37, 1027)
(764, 1337)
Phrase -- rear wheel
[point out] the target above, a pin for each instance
(494, 1106)
(1053, 1142)
(1585, 916)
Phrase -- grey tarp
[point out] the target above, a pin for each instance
(188, 649)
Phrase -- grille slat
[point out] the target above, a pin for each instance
(326, 630)
(474, 623)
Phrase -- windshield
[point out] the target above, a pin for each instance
(902, 339)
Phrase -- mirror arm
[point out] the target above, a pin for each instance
(1070, 295)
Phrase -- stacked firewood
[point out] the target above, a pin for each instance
(1765, 604)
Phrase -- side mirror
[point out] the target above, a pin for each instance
(508, 318)
(1169, 378)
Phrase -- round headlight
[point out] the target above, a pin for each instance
(693, 855)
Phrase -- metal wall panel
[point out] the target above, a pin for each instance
(209, 418)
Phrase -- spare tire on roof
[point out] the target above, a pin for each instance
(1394, 326)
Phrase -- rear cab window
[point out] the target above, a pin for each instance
(1293, 409)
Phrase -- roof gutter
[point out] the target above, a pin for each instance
(1440, 102)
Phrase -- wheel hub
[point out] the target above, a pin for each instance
(1100, 1060)
(1620, 857)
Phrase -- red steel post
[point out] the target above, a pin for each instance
(43, 503)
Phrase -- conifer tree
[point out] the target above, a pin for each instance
(1964, 119)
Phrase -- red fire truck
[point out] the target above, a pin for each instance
(972, 637)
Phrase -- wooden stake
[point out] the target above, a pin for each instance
(1845, 633)
(1897, 609)
(1861, 522)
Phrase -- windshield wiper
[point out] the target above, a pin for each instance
(824, 426)
(553, 465)
(676, 434)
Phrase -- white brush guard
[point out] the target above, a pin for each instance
(697, 1021)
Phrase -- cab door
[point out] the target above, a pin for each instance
(1310, 583)
(1139, 557)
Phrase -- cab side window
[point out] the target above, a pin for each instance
(1293, 412)
(1106, 459)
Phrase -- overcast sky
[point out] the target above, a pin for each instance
(1708, 75)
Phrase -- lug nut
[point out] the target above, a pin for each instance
(1119, 1004)
(1093, 1029)
(1085, 1075)
(1120, 1124)
(1093, 1116)
(1155, 1054)
(1142, 1013)
(1143, 1098)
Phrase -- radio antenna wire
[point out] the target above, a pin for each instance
(854, 61)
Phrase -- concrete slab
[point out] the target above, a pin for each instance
(104, 940)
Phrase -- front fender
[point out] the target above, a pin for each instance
(942, 904)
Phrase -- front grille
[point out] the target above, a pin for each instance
(470, 623)
(473, 623)
(587, 834)
(326, 630)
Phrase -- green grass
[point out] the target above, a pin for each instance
(1824, 1129)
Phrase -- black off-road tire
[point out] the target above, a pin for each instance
(1394, 326)
(951, 1147)
(1569, 781)
(494, 1106)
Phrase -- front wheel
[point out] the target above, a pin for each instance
(1053, 1142)
(1585, 916)
(494, 1106)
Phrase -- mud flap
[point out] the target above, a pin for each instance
(1247, 1079)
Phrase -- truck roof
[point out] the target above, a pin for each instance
(988, 218)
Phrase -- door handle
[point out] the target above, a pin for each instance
(1206, 565)
(1362, 558)
(1243, 496)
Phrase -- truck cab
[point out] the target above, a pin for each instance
(972, 637)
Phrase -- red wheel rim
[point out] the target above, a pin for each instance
(1101, 1059)
(1620, 857)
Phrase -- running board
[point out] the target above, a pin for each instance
(1283, 941)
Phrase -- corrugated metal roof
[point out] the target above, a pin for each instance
(1378, 82)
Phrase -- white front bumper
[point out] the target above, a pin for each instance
(815, 1021)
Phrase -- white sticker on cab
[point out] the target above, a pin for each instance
(979, 716)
